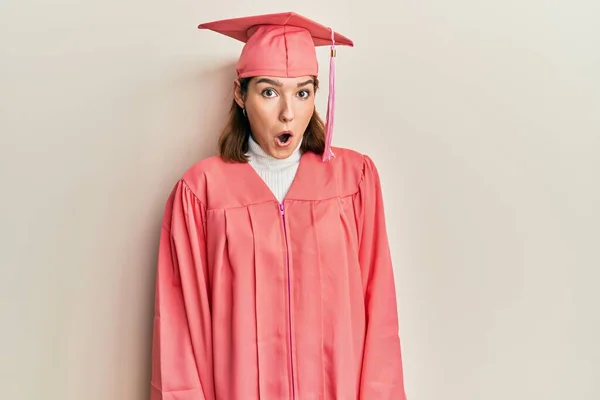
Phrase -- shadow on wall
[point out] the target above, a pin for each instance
(182, 118)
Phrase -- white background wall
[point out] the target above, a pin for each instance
(483, 118)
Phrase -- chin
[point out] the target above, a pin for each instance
(282, 153)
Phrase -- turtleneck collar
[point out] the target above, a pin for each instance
(260, 159)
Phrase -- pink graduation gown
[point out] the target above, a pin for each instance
(261, 300)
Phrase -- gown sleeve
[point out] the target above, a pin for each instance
(382, 371)
(182, 342)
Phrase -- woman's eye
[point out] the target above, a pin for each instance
(304, 94)
(268, 93)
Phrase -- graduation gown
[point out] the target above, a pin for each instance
(257, 299)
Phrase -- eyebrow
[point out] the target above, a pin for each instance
(278, 83)
(269, 81)
(308, 82)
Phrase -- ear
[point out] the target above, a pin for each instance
(237, 94)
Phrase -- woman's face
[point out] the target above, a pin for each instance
(279, 110)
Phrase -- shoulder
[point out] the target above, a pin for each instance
(204, 173)
(353, 164)
(204, 168)
(345, 157)
(339, 177)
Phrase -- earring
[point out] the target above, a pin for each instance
(244, 112)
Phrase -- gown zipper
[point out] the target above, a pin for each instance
(287, 255)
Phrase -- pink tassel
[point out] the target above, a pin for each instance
(328, 153)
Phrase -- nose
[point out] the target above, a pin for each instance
(286, 113)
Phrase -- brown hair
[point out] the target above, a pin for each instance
(233, 142)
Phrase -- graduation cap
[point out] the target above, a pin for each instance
(283, 45)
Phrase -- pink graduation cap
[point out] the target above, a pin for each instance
(283, 45)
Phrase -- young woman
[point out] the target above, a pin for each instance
(274, 275)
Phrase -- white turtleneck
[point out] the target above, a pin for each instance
(278, 174)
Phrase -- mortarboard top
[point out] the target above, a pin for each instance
(283, 45)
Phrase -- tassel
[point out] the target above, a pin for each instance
(328, 153)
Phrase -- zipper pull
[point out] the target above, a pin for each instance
(281, 208)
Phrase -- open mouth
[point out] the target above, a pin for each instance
(284, 138)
